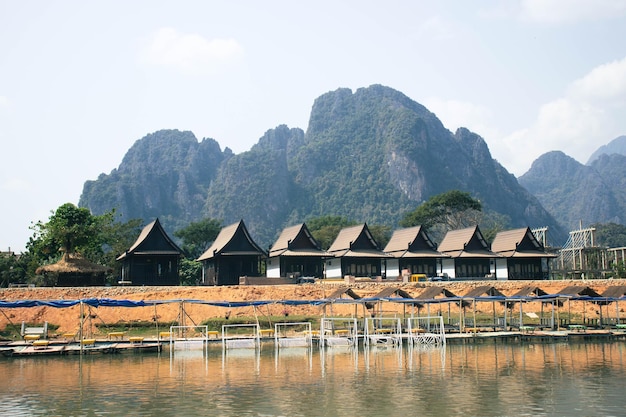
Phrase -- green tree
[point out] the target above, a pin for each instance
(12, 269)
(72, 229)
(69, 229)
(198, 236)
(611, 235)
(326, 228)
(190, 272)
(492, 223)
(452, 210)
(381, 234)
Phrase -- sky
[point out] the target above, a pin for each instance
(80, 81)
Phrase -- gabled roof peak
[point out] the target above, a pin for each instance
(236, 232)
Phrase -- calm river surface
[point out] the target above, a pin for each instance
(494, 379)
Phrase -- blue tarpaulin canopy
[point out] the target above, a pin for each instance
(108, 302)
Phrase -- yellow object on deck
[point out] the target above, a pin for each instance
(86, 342)
(41, 343)
(164, 335)
(213, 333)
(135, 339)
(266, 332)
(419, 278)
(31, 337)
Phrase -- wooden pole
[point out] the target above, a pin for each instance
(80, 329)
(506, 308)
(474, 308)
(156, 321)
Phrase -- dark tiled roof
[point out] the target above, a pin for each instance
(518, 243)
(578, 290)
(412, 242)
(148, 231)
(615, 291)
(484, 290)
(227, 235)
(296, 241)
(465, 243)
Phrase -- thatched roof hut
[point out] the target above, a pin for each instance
(72, 270)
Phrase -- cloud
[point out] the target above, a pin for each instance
(571, 11)
(606, 82)
(4, 102)
(589, 114)
(190, 54)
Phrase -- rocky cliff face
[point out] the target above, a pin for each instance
(369, 155)
(166, 174)
(578, 193)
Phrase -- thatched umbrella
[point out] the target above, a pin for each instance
(75, 271)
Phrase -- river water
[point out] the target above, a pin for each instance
(492, 379)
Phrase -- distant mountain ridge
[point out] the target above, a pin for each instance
(580, 194)
(369, 155)
(616, 146)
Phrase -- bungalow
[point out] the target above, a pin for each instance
(521, 255)
(412, 250)
(467, 255)
(355, 253)
(152, 260)
(296, 253)
(233, 255)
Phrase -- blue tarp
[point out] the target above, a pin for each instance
(108, 302)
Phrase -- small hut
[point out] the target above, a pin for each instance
(522, 256)
(468, 255)
(296, 253)
(413, 251)
(581, 294)
(75, 271)
(153, 259)
(233, 255)
(356, 253)
(490, 294)
(614, 293)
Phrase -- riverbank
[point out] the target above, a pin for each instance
(67, 319)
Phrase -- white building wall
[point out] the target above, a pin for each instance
(447, 267)
(502, 271)
(273, 267)
(333, 268)
(393, 268)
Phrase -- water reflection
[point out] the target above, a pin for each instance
(490, 379)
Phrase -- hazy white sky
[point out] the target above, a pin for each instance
(81, 81)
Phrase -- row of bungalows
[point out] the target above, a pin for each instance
(462, 254)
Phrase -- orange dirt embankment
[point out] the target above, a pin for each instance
(68, 319)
